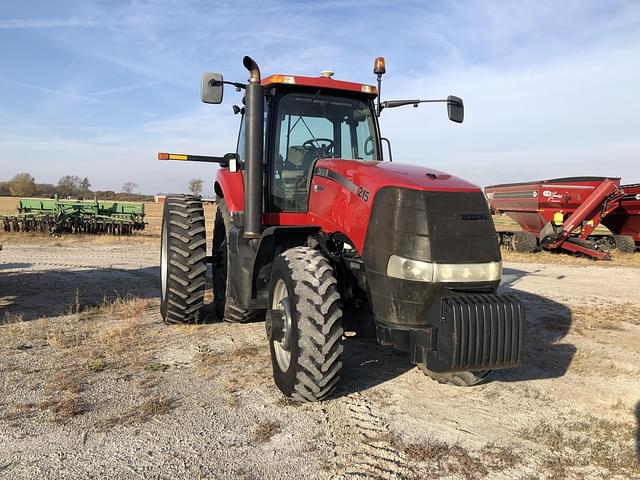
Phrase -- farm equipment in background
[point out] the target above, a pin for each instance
(564, 213)
(56, 216)
(624, 221)
(318, 235)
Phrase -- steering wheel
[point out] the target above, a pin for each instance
(316, 144)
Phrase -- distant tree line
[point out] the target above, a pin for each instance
(69, 186)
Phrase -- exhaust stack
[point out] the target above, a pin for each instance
(254, 119)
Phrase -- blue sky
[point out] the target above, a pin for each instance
(95, 89)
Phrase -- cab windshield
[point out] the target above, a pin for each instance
(310, 126)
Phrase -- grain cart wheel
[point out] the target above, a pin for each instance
(227, 308)
(625, 243)
(304, 325)
(460, 379)
(524, 242)
(183, 261)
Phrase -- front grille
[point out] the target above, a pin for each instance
(431, 226)
(479, 332)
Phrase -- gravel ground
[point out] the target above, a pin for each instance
(93, 385)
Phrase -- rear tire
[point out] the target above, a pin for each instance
(183, 261)
(307, 358)
(226, 307)
(524, 242)
(459, 379)
(625, 243)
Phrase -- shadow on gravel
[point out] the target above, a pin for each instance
(367, 364)
(548, 322)
(8, 266)
(34, 294)
(638, 432)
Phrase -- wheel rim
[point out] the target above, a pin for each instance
(164, 260)
(282, 348)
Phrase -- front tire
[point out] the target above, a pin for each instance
(304, 325)
(183, 261)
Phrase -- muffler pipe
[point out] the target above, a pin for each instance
(254, 128)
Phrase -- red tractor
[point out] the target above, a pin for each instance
(313, 228)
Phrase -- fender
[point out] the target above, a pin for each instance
(230, 186)
(274, 241)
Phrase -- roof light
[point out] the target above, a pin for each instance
(367, 89)
(327, 73)
(283, 79)
(378, 66)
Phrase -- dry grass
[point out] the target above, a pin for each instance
(69, 381)
(608, 317)
(559, 257)
(575, 443)
(444, 460)
(265, 430)
(86, 342)
(242, 366)
(59, 410)
(141, 413)
(8, 205)
(107, 336)
(65, 408)
(229, 358)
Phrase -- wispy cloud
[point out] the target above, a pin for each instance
(124, 88)
(35, 23)
(50, 91)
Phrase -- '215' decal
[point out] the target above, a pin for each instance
(363, 194)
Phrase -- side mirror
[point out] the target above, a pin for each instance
(455, 109)
(211, 88)
(231, 159)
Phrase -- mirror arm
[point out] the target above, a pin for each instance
(237, 85)
(402, 103)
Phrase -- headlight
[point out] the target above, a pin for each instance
(418, 271)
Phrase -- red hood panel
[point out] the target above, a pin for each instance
(374, 175)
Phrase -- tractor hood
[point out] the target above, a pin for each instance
(374, 175)
(345, 193)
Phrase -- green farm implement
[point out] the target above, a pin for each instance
(52, 215)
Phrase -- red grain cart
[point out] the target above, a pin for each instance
(561, 213)
(624, 221)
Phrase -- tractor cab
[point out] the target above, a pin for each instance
(305, 123)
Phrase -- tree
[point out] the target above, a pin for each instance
(69, 185)
(45, 190)
(85, 185)
(129, 187)
(195, 186)
(22, 185)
